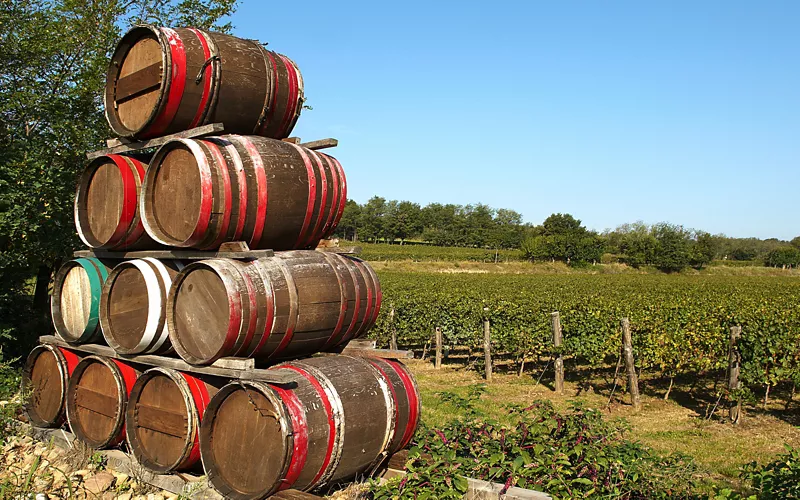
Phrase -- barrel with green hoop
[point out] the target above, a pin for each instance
(75, 304)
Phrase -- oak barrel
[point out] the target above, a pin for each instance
(200, 193)
(161, 81)
(133, 305)
(338, 421)
(107, 204)
(97, 394)
(408, 406)
(162, 422)
(75, 304)
(293, 304)
(46, 375)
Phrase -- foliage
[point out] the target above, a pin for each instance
(54, 59)
(425, 253)
(785, 256)
(574, 454)
(778, 479)
(680, 324)
(562, 237)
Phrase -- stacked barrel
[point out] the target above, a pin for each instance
(342, 415)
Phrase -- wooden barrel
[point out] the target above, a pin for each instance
(200, 193)
(107, 204)
(338, 421)
(163, 418)
(161, 81)
(293, 304)
(46, 375)
(97, 394)
(75, 304)
(407, 403)
(133, 306)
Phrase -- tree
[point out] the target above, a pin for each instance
(348, 225)
(372, 221)
(54, 55)
(672, 247)
(703, 250)
(795, 242)
(403, 220)
(785, 256)
(562, 237)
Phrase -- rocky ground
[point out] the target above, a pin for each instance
(32, 469)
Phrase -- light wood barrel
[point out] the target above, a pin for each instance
(338, 421)
(200, 193)
(293, 304)
(75, 304)
(133, 306)
(163, 418)
(107, 204)
(161, 81)
(96, 398)
(408, 405)
(46, 375)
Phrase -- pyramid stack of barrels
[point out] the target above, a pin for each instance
(342, 415)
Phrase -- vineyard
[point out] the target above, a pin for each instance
(680, 324)
(384, 252)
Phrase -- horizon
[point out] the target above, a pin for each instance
(686, 113)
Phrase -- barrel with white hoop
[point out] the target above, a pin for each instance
(107, 204)
(337, 421)
(75, 304)
(161, 81)
(97, 395)
(163, 417)
(408, 405)
(45, 376)
(290, 305)
(200, 193)
(133, 305)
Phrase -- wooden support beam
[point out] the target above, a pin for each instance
(321, 144)
(734, 365)
(555, 321)
(210, 129)
(630, 365)
(487, 349)
(178, 254)
(438, 361)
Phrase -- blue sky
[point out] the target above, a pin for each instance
(679, 111)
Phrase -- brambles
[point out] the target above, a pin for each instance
(680, 324)
(571, 454)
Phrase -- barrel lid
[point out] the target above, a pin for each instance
(46, 378)
(75, 301)
(100, 199)
(125, 307)
(95, 401)
(246, 441)
(160, 415)
(175, 193)
(199, 313)
(135, 79)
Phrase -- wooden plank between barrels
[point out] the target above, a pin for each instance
(176, 254)
(321, 144)
(233, 368)
(210, 129)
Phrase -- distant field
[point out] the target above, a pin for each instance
(419, 253)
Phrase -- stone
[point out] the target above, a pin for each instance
(121, 477)
(99, 482)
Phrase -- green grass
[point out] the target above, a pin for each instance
(419, 253)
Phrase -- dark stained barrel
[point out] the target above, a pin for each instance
(75, 304)
(293, 304)
(200, 193)
(133, 305)
(408, 406)
(96, 398)
(107, 204)
(46, 375)
(161, 81)
(338, 421)
(163, 418)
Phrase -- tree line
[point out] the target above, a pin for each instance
(560, 237)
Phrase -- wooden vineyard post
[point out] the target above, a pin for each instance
(627, 347)
(393, 344)
(438, 361)
(734, 360)
(555, 321)
(487, 346)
